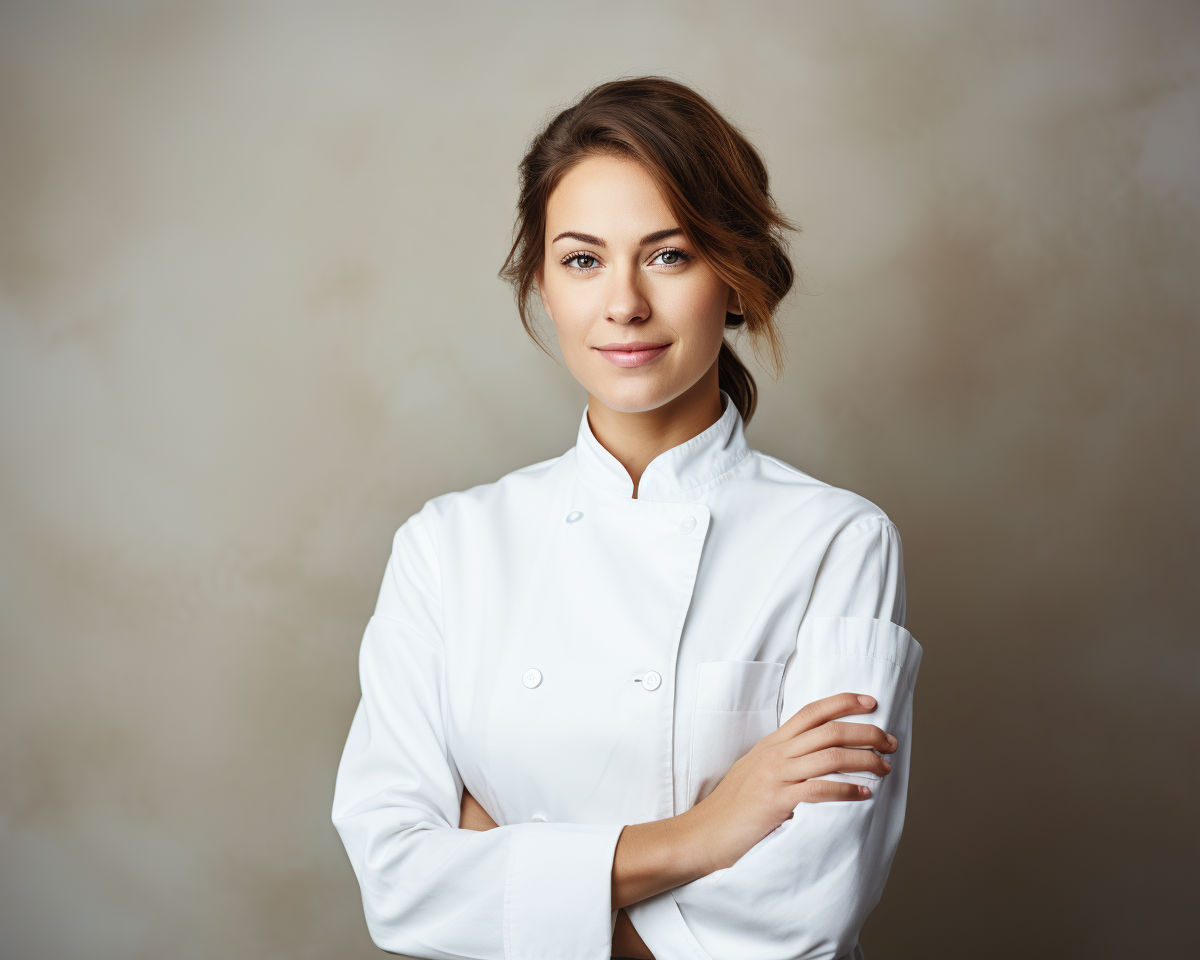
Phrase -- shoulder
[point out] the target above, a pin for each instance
(482, 506)
(792, 493)
(852, 546)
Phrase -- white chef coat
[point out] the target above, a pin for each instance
(581, 660)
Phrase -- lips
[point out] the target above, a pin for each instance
(635, 353)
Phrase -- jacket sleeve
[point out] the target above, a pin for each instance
(430, 889)
(805, 890)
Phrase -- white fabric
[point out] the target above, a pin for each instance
(748, 587)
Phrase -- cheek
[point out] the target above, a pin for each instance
(569, 308)
(700, 313)
(574, 318)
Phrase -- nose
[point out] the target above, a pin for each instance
(626, 302)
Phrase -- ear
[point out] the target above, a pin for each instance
(734, 304)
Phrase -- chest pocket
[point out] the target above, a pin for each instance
(737, 704)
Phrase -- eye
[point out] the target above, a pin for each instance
(670, 257)
(580, 261)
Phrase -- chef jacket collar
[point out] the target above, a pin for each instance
(675, 474)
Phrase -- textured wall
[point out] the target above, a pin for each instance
(249, 322)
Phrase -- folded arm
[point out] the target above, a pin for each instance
(806, 888)
(754, 798)
(429, 887)
(738, 874)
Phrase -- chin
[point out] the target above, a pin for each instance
(632, 396)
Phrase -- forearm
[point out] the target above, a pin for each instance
(661, 855)
(649, 858)
(807, 887)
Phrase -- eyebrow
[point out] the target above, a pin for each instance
(597, 242)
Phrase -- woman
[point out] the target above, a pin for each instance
(569, 740)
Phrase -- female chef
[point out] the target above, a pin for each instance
(569, 743)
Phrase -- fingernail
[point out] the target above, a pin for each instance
(886, 762)
(892, 741)
(864, 791)
(866, 701)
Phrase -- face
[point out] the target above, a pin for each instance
(639, 316)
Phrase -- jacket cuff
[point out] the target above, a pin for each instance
(662, 928)
(558, 892)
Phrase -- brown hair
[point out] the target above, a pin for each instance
(713, 180)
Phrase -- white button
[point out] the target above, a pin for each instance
(538, 820)
(651, 681)
(687, 524)
(532, 677)
(574, 516)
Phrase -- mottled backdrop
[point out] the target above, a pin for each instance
(249, 322)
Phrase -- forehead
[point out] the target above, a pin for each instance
(609, 197)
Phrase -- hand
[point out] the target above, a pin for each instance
(757, 794)
(472, 816)
(761, 790)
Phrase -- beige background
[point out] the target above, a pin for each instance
(250, 322)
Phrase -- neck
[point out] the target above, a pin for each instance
(637, 438)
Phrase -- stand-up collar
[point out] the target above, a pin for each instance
(675, 474)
